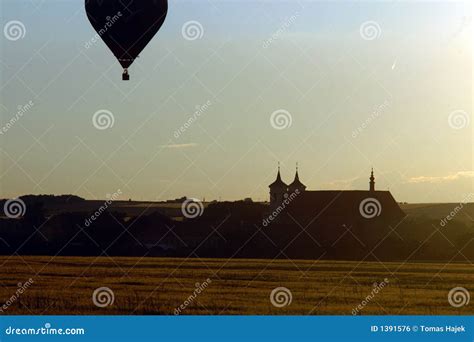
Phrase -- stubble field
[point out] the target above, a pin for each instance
(167, 286)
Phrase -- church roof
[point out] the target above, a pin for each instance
(344, 205)
(296, 182)
(278, 182)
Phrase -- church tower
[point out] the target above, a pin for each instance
(296, 185)
(278, 190)
(372, 181)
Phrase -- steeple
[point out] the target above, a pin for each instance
(278, 190)
(372, 181)
(296, 183)
(278, 182)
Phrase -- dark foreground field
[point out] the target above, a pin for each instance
(65, 285)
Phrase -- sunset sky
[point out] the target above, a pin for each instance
(399, 101)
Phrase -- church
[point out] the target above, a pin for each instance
(335, 206)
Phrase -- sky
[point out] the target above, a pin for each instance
(338, 87)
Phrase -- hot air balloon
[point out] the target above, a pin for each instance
(126, 26)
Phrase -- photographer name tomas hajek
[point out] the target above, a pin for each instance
(441, 329)
(20, 290)
(197, 291)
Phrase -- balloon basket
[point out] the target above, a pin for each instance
(125, 77)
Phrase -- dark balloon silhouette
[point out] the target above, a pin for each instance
(126, 26)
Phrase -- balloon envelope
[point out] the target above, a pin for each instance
(126, 26)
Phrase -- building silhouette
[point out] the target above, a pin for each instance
(278, 190)
(372, 181)
(331, 206)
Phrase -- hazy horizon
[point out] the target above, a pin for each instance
(396, 97)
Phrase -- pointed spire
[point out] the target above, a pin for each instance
(297, 178)
(372, 181)
(296, 182)
(278, 181)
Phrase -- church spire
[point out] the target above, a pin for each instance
(278, 190)
(278, 182)
(296, 185)
(372, 181)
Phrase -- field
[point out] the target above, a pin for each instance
(65, 285)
